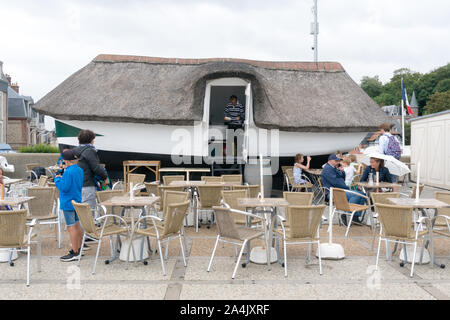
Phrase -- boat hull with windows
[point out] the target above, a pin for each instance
(172, 109)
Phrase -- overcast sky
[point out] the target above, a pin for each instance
(43, 42)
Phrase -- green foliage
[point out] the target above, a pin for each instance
(39, 148)
(424, 85)
(372, 86)
(437, 102)
(407, 133)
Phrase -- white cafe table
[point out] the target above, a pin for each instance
(261, 255)
(14, 202)
(422, 204)
(128, 203)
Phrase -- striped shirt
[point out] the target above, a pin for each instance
(233, 112)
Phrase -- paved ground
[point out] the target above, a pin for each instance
(351, 278)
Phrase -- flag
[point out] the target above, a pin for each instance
(405, 99)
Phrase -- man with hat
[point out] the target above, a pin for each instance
(69, 186)
(333, 176)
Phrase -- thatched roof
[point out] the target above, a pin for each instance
(291, 96)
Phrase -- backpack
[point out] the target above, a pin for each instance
(393, 148)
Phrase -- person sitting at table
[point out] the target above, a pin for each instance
(333, 176)
(299, 166)
(377, 165)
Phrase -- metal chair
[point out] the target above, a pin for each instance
(230, 200)
(253, 191)
(396, 226)
(229, 232)
(232, 178)
(303, 228)
(342, 206)
(208, 197)
(42, 182)
(382, 198)
(167, 180)
(442, 222)
(95, 233)
(29, 169)
(211, 179)
(14, 236)
(172, 229)
(43, 208)
(295, 186)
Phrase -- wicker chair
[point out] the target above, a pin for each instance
(298, 198)
(252, 190)
(152, 188)
(442, 223)
(295, 186)
(285, 178)
(43, 208)
(382, 198)
(13, 235)
(136, 179)
(229, 232)
(211, 179)
(172, 229)
(208, 196)
(230, 201)
(232, 178)
(396, 226)
(29, 169)
(95, 233)
(163, 189)
(106, 195)
(167, 180)
(303, 228)
(342, 205)
(42, 182)
(413, 191)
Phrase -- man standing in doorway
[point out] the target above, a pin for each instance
(234, 116)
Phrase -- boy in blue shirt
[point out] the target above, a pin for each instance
(69, 186)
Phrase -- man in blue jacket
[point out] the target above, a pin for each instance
(69, 186)
(333, 176)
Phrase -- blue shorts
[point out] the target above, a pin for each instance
(71, 217)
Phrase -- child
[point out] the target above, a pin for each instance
(69, 186)
(298, 167)
(349, 170)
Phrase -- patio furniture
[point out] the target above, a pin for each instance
(396, 226)
(413, 191)
(229, 232)
(210, 179)
(442, 223)
(162, 191)
(42, 182)
(230, 201)
(95, 233)
(382, 198)
(208, 196)
(298, 198)
(102, 196)
(152, 188)
(136, 179)
(423, 204)
(168, 179)
(285, 181)
(42, 207)
(295, 186)
(172, 229)
(14, 236)
(232, 178)
(29, 169)
(267, 207)
(186, 170)
(303, 228)
(253, 190)
(342, 206)
(131, 165)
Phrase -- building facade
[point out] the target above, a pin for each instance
(4, 84)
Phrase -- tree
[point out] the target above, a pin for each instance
(385, 99)
(442, 86)
(372, 86)
(437, 102)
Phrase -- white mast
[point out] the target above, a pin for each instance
(315, 31)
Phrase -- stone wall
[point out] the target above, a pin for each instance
(19, 160)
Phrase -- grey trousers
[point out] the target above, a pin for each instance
(88, 195)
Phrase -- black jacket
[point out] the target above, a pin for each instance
(384, 174)
(90, 163)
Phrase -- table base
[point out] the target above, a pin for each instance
(410, 253)
(4, 255)
(331, 251)
(258, 255)
(137, 244)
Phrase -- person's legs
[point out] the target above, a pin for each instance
(75, 235)
(88, 195)
(353, 198)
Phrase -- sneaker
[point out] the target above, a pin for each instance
(71, 256)
(86, 247)
(88, 240)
